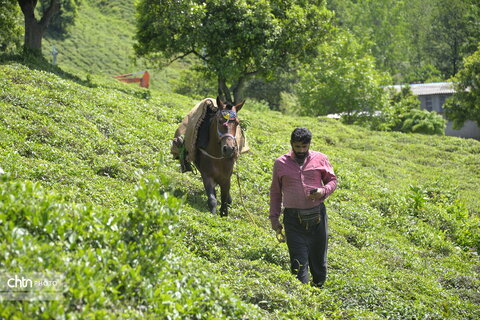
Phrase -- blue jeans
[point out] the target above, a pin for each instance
(307, 248)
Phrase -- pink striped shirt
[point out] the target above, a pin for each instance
(291, 183)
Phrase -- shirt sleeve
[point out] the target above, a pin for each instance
(329, 178)
(275, 193)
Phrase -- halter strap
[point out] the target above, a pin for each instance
(209, 155)
(222, 136)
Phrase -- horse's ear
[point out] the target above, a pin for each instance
(220, 104)
(239, 106)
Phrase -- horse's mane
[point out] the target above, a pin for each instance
(204, 129)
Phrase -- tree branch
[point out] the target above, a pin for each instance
(186, 54)
(252, 73)
(47, 15)
(180, 57)
(199, 55)
(28, 7)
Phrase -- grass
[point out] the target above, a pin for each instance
(91, 191)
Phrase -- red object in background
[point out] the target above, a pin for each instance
(128, 78)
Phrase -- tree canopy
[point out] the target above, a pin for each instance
(407, 36)
(342, 79)
(234, 39)
(465, 103)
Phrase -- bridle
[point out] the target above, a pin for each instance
(230, 116)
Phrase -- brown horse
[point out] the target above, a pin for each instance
(216, 156)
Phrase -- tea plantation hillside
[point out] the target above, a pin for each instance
(88, 190)
(101, 43)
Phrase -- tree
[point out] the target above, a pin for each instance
(465, 103)
(342, 79)
(405, 36)
(235, 39)
(34, 28)
(381, 25)
(9, 25)
(455, 23)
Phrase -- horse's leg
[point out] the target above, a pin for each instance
(226, 199)
(211, 194)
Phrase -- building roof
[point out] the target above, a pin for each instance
(425, 89)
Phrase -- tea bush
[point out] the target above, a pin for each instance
(88, 189)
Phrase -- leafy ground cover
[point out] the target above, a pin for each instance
(101, 42)
(89, 190)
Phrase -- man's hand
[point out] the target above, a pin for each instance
(280, 236)
(276, 225)
(316, 194)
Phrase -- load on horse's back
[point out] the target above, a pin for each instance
(210, 137)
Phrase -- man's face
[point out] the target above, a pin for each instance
(300, 149)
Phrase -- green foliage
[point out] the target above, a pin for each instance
(271, 89)
(381, 26)
(195, 84)
(63, 21)
(289, 103)
(342, 79)
(453, 35)
(258, 106)
(465, 103)
(139, 242)
(423, 121)
(404, 115)
(424, 74)
(10, 30)
(408, 36)
(235, 39)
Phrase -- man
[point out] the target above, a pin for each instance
(302, 179)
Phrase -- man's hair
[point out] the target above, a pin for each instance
(301, 135)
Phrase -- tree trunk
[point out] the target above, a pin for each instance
(33, 35)
(35, 29)
(223, 90)
(455, 56)
(238, 90)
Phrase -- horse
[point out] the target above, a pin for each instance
(216, 156)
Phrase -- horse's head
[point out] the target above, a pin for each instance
(226, 121)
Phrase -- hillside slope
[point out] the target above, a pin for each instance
(90, 191)
(101, 43)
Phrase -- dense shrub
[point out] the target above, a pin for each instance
(404, 114)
